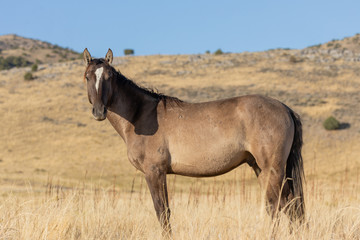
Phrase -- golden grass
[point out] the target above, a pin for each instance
(216, 211)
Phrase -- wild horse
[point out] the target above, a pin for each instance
(165, 135)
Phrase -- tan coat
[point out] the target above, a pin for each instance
(164, 135)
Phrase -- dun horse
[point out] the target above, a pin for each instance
(165, 135)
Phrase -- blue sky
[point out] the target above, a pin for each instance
(180, 27)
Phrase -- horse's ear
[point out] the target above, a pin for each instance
(87, 56)
(109, 56)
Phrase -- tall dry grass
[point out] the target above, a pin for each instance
(220, 210)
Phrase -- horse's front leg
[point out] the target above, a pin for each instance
(156, 180)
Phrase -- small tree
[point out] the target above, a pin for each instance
(218, 52)
(129, 51)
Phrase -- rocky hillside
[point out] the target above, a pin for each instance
(16, 51)
(347, 49)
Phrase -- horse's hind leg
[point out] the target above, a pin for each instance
(269, 184)
(277, 191)
(271, 178)
(271, 192)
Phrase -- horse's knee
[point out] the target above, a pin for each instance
(280, 198)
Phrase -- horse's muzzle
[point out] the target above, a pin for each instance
(99, 112)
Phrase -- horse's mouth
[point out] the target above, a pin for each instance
(99, 115)
(100, 118)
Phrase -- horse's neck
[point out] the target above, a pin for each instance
(129, 107)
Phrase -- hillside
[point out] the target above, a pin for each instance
(28, 51)
(347, 49)
(48, 130)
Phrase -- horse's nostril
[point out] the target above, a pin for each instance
(93, 110)
(105, 110)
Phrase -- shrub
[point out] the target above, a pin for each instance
(13, 61)
(129, 51)
(338, 45)
(294, 59)
(34, 67)
(28, 76)
(331, 123)
(218, 52)
(315, 46)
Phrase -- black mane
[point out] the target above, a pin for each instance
(148, 91)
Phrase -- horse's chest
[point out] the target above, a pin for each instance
(136, 158)
(140, 154)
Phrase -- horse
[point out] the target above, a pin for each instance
(165, 135)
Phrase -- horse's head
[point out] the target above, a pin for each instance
(99, 77)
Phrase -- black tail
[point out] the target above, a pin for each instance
(295, 171)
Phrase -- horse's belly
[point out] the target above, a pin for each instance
(200, 162)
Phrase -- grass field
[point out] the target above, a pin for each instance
(232, 210)
(65, 176)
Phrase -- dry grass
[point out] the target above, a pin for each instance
(216, 211)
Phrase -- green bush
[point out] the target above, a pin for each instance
(331, 123)
(28, 76)
(34, 67)
(129, 51)
(315, 46)
(13, 61)
(218, 52)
